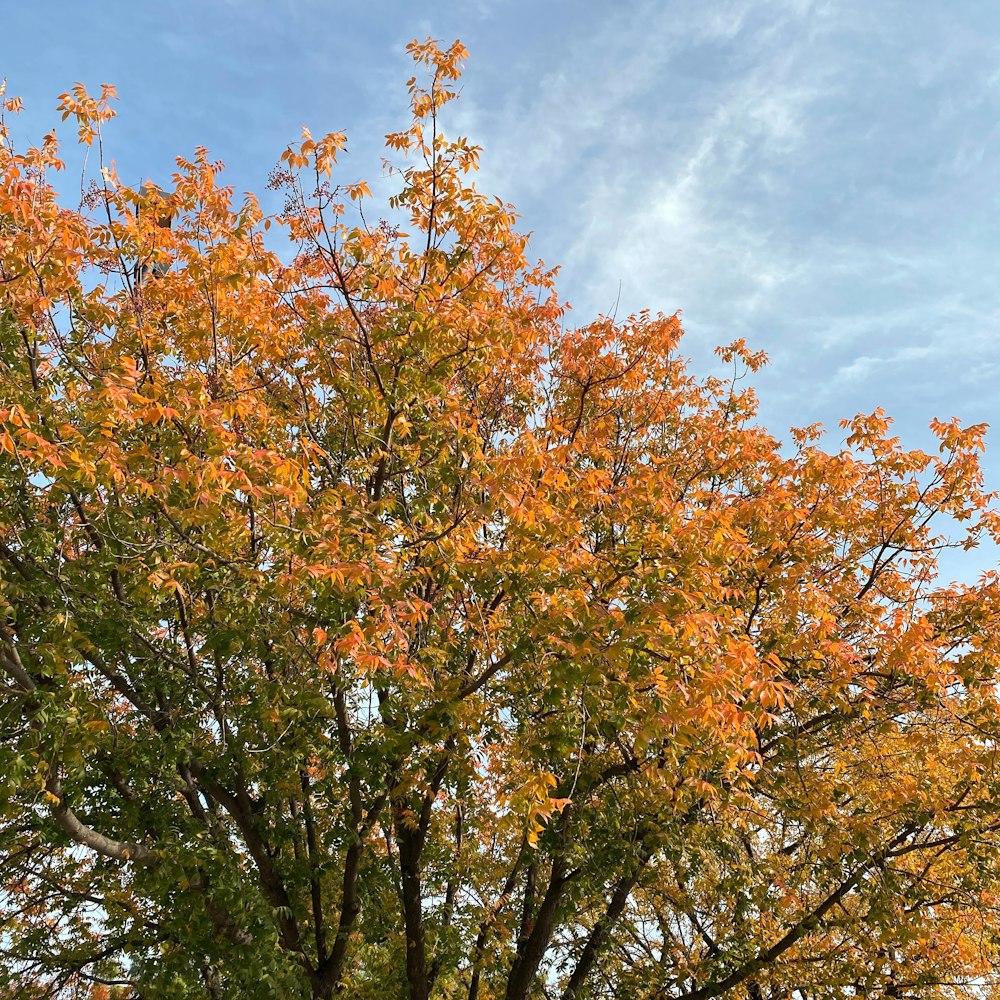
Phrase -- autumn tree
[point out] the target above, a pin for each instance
(366, 630)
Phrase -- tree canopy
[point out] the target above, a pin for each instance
(368, 630)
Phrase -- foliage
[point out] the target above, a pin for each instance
(365, 631)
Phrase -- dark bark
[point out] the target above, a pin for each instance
(616, 906)
(409, 843)
(531, 949)
(484, 927)
(315, 887)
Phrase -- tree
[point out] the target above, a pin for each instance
(367, 632)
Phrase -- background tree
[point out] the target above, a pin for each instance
(367, 632)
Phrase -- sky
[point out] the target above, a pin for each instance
(819, 177)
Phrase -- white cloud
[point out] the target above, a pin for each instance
(640, 163)
(868, 366)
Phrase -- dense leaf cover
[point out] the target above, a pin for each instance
(367, 630)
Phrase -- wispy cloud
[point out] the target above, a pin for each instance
(792, 171)
(647, 140)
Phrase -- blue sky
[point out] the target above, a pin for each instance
(818, 176)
